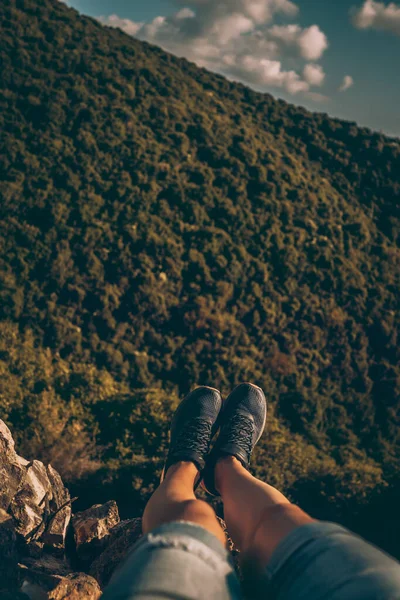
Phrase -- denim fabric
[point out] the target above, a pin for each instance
(318, 561)
(323, 561)
(177, 561)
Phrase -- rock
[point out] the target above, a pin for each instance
(12, 473)
(38, 574)
(8, 553)
(76, 586)
(39, 509)
(6, 439)
(30, 506)
(47, 564)
(92, 528)
(33, 529)
(35, 497)
(122, 537)
(50, 579)
(56, 527)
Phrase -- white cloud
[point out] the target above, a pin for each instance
(309, 43)
(347, 83)
(287, 34)
(125, 24)
(185, 13)
(313, 43)
(379, 16)
(259, 11)
(314, 74)
(231, 27)
(269, 72)
(238, 38)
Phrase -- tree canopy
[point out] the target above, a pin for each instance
(162, 227)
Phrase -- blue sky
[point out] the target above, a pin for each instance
(300, 51)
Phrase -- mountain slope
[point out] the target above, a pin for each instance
(162, 227)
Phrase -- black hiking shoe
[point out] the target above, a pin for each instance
(242, 424)
(193, 426)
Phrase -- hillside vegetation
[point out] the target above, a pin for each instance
(162, 227)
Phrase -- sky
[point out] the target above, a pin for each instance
(341, 57)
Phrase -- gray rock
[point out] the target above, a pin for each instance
(60, 512)
(47, 564)
(49, 578)
(30, 506)
(41, 575)
(122, 537)
(35, 496)
(12, 473)
(92, 529)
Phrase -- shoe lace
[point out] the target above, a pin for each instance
(195, 436)
(238, 430)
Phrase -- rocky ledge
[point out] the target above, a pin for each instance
(46, 551)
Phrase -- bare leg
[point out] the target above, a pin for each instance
(258, 517)
(175, 500)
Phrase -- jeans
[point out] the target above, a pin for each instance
(317, 561)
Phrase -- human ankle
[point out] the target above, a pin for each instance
(182, 469)
(224, 466)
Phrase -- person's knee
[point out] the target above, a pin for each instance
(196, 508)
(274, 524)
(201, 513)
(193, 510)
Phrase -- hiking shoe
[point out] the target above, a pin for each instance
(193, 426)
(242, 424)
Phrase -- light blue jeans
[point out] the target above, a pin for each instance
(318, 561)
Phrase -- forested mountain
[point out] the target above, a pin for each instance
(162, 227)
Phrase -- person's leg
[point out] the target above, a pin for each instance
(287, 554)
(182, 553)
(175, 500)
(257, 515)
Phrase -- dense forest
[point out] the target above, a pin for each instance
(162, 227)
